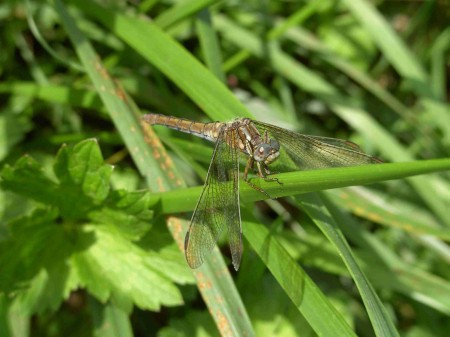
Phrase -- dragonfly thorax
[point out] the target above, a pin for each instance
(267, 152)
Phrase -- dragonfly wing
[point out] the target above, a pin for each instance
(233, 210)
(218, 206)
(313, 152)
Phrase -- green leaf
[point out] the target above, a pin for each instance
(34, 262)
(34, 243)
(27, 178)
(166, 256)
(111, 267)
(83, 179)
(345, 107)
(83, 166)
(128, 212)
(110, 320)
(87, 236)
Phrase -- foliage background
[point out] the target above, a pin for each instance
(84, 247)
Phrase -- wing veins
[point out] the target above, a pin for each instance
(217, 204)
(329, 152)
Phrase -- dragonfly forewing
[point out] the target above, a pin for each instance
(218, 205)
(313, 152)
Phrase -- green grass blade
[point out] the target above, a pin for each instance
(209, 44)
(310, 42)
(314, 207)
(408, 217)
(173, 60)
(385, 269)
(388, 41)
(308, 181)
(182, 10)
(401, 58)
(302, 291)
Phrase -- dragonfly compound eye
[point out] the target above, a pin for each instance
(274, 145)
(267, 153)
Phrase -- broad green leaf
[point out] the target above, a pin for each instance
(85, 232)
(110, 321)
(31, 269)
(33, 244)
(83, 166)
(128, 212)
(111, 267)
(83, 179)
(28, 179)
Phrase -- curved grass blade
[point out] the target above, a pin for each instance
(302, 291)
(314, 207)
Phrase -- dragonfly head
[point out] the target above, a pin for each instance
(267, 152)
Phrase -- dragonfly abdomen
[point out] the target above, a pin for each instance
(209, 131)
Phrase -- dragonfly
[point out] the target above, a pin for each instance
(261, 144)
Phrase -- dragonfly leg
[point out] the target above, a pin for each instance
(257, 188)
(265, 177)
(250, 163)
(268, 172)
